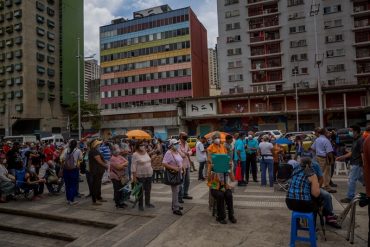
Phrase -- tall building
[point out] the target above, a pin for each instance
(92, 72)
(272, 45)
(148, 64)
(38, 69)
(93, 95)
(214, 86)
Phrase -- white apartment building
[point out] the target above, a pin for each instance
(92, 72)
(214, 86)
(270, 45)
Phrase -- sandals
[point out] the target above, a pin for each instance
(332, 221)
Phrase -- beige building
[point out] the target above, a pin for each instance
(214, 86)
(92, 72)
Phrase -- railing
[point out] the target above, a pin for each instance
(362, 37)
(266, 65)
(362, 23)
(264, 38)
(360, 8)
(264, 52)
(363, 53)
(254, 12)
(365, 68)
(264, 24)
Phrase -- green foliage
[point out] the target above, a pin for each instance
(88, 111)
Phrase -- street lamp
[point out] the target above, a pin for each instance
(295, 71)
(315, 8)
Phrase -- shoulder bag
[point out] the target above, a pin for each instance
(172, 177)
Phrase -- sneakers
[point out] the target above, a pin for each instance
(72, 203)
(345, 200)
(221, 221)
(181, 201)
(187, 197)
(177, 212)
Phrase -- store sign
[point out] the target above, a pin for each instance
(201, 107)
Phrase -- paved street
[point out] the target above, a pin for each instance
(263, 220)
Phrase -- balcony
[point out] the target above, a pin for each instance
(265, 37)
(266, 51)
(362, 54)
(267, 76)
(258, 2)
(266, 64)
(262, 11)
(362, 24)
(361, 9)
(263, 23)
(362, 38)
(363, 69)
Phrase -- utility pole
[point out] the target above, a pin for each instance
(78, 88)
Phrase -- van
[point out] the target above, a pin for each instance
(54, 139)
(20, 139)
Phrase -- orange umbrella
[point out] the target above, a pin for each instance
(138, 134)
(222, 135)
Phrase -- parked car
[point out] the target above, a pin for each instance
(307, 140)
(276, 133)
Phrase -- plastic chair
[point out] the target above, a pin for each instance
(311, 229)
(341, 166)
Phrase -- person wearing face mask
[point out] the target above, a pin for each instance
(240, 156)
(142, 171)
(172, 160)
(35, 183)
(118, 165)
(356, 161)
(252, 147)
(185, 153)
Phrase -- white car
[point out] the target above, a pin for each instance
(276, 133)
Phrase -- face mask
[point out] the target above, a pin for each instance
(350, 133)
(185, 138)
(32, 170)
(176, 147)
(217, 141)
(142, 148)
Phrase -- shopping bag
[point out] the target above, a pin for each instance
(238, 172)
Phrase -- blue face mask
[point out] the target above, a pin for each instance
(350, 133)
(176, 147)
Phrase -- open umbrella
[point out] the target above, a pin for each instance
(138, 134)
(283, 141)
(222, 135)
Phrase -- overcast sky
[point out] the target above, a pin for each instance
(101, 12)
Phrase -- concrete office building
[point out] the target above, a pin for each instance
(38, 65)
(214, 86)
(92, 72)
(148, 65)
(93, 95)
(268, 46)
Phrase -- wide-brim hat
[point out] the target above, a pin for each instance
(95, 143)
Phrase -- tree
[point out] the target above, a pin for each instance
(88, 111)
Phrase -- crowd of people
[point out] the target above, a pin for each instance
(32, 166)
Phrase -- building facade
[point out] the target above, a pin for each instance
(33, 64)
(148, 64)
(214, 86)
(92, 72)
(93, 95)
(269, 46)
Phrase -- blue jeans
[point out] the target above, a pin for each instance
(243, 164)
(355, 174)
(71, 180)
(267, 164)
(327, 200)
(184, 187)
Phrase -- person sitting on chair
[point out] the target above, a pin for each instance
(7, 181)
(218, 182)
(303, 188)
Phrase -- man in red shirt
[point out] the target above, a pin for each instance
(48, 152)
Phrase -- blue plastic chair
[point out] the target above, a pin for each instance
(311, 229)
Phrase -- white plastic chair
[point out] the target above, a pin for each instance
(341, 167)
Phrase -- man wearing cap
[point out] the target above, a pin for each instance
(201, 154)
(185, 153)
(240, 156)
(323, 153)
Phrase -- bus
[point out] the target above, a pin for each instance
(20, 139)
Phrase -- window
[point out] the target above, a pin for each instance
(40, 6)
(51, 60)
(40, 31)
(295, 2)
(9, 55)
(299, 29)
(2, 17)
(51, 24)
(335, 68)
(40, 57)
(9, 42)
(2, 43)
(332, 9)
(304, 71)
(9, 29)
(335, 53)
(231, 39)
(51, 36)
(233, 26)
(51, 72)
(18, 13)
(50, 11)
(298, 43)
(233, 13)
(10, 82)
(9, 16)
(51, 84)
(18, 40)
(19, 107)
(18, 53)
(18, 80)
(10, 68)
(18, 27)
(230, 2)
(19, 94)
(2, 57)
(40, 44)
(333, 24)
(40, 70)
(18, 67)
(51, 48)
(17, 2)
(40, 82)
(8, 3)
(295, 16)
(334, 38)
(40, 19)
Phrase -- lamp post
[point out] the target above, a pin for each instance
(315, 8)
(296, 98)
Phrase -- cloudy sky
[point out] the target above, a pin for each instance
(101, 12)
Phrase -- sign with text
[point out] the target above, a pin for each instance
(201, 107)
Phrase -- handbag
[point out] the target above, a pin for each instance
(172, 177)
(238, 172)
(52, 178)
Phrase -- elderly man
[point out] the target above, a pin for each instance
(355, 156)
(323, 153)
(218, 182)
(185, 153)
(201, 154)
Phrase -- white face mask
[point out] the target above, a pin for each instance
(217, 141)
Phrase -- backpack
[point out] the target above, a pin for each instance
(69, 162)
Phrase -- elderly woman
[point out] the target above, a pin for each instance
(218, 182)
(303, 188)
(7, 181)
(142, 171)
(172, 160)
(118, 165)
(97, 167)
(267, 161)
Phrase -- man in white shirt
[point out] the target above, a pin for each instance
(201, 154)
